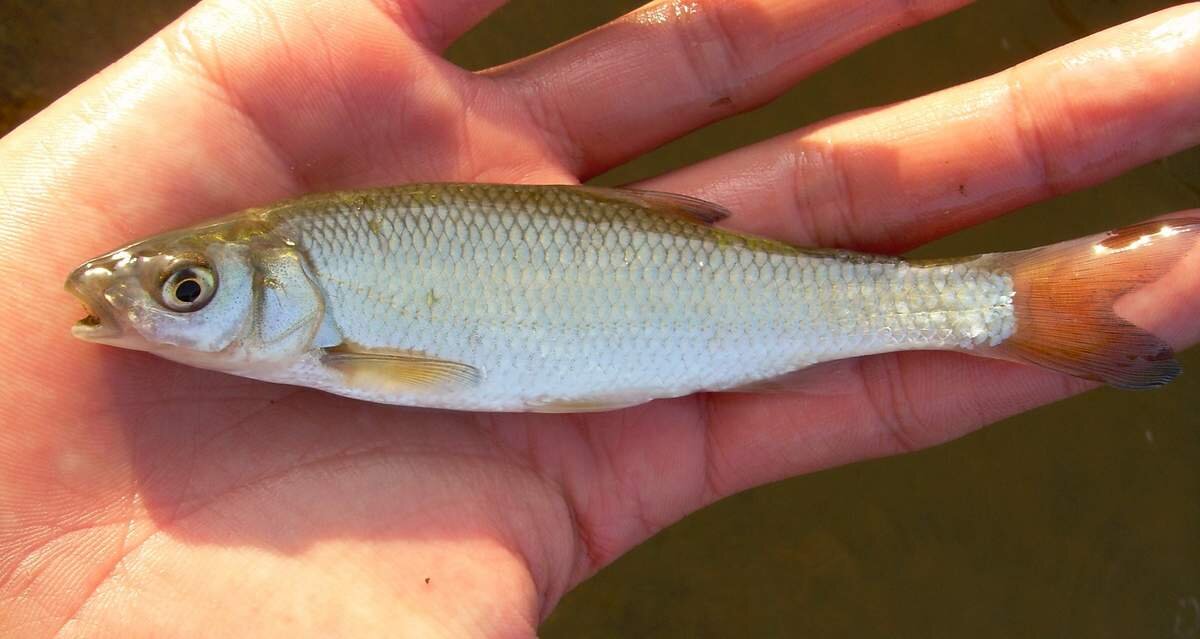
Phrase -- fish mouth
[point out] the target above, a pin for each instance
(86, 284)
(89, 322)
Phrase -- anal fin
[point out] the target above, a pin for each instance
(596, 404)
(825, 378)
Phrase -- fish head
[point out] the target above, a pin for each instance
(165, 292)
(209, 297)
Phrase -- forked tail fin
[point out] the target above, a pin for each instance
(1065, 294)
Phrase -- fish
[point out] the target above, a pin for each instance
(554, 298)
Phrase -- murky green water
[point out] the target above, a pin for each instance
(1081, 519)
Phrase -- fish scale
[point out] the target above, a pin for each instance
(560, 296)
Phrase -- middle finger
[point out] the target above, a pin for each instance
(675, 65)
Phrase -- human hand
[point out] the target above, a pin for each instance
(139, 496)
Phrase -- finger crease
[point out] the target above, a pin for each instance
(711, 72)
(585, 542)
(890, 403)
(711, 488)
(824, 227)
(549, 117)
(412, 19)
(1029, 133)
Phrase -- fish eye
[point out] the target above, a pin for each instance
(188, 288)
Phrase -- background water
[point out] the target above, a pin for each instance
(1081, 519)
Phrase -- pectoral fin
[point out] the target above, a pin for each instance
(691, 208)
(398, 370)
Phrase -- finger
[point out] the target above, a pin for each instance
(625, 482)
(437, 23)
(239, 103)
(903, 402)
(892, 178)
(898, 403)
(673, 66)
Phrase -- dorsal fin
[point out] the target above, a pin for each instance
(686, 206)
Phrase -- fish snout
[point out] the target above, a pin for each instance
(90, 283)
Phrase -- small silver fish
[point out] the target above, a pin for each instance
(576, 298)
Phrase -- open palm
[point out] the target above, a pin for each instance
(140, 497)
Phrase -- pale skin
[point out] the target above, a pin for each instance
(142, 498)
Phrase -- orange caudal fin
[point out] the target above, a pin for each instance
(1064, 296)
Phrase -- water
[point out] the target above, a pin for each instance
(1079, 519)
